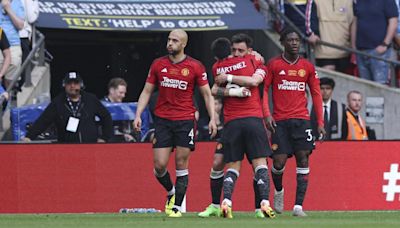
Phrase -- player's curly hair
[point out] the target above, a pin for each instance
(287, 31)
(221, 47)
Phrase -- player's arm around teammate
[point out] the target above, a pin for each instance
(256, 79)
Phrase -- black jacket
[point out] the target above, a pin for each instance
(336, 121)
(58, 112)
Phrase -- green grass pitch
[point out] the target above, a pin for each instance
(376, 219)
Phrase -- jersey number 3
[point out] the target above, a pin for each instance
(309, 135)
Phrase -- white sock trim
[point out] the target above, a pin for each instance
(172, 191)
(182, 172)
(216, 205)
(216, 174)
(260, 167)
(302, 170)
(233, 171)
(276, 171)
(298, 207)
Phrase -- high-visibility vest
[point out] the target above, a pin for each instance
(356, 129)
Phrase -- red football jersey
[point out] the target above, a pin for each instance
(289, 82)
(241, 107)
(176, 83)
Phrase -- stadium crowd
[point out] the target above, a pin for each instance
(16, 28)
(366, 25)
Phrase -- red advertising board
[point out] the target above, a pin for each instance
(106, 177)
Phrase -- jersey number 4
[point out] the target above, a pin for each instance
(191, 135)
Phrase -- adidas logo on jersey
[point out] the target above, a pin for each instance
(164, 70)
(229, 179)
(260, 182)
(282, 72)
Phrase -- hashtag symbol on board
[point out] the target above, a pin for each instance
(392, 187)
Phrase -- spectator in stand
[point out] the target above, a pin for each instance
(12, 20)
(332, 110)
(396, 41)
(335, 18)
(374, 26)
(31, 8)
(264, 8)
(3, 93)
(354, 127)
(5, 50)
(309, 25)
(397, 36)
(122, 130)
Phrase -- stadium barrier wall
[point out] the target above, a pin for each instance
(61, 178)
(24, 115)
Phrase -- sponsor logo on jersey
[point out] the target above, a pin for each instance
(185, 72)
(282, 72)
(301, 73)
(174, 83)
(164, 70)
(292, 85)
(292, 72)
(231, 68)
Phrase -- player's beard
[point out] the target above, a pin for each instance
(173, 52)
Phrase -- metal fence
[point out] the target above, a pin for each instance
(278, 14)
(36, 57)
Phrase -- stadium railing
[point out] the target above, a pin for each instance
(35, 57)
(278, 14)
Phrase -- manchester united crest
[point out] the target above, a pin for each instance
(185, 72)
(301, 73)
